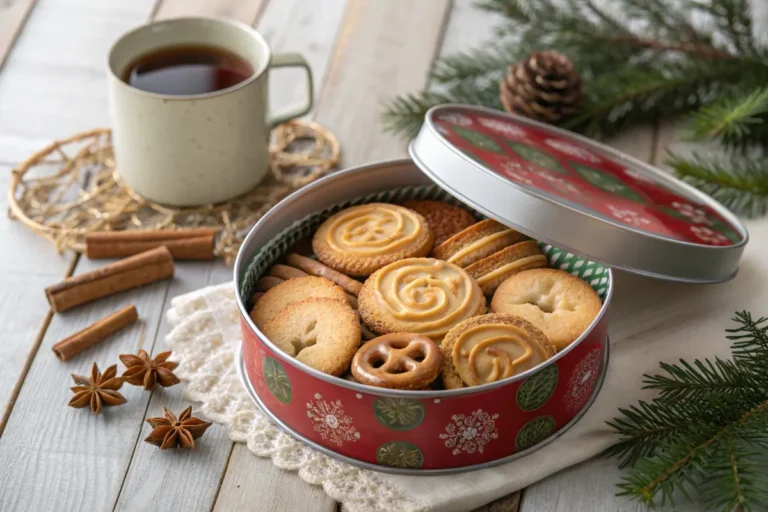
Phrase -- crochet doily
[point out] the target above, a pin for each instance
(205, 341)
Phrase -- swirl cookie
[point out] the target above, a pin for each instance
(558, 303)
(475, 243)
(490, 348)
(290, 291)
(320, 332)
(419, 295)
(445, 220)
(360, 240)
(491, 271)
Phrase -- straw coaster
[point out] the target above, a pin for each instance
(70, 188)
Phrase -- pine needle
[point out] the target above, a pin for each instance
(740, 184)
(706, 432)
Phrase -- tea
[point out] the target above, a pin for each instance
(187, 70)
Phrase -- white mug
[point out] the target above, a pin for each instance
(196, 149)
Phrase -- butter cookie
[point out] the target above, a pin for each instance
(560, 304)
(359, 240)
(419, 295)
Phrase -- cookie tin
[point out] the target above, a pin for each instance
(580, 195)
(409, 432)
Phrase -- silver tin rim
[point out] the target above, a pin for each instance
(244, 254)
(564, 226)
(246, 383)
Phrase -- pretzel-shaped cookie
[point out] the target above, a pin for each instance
(399, 360)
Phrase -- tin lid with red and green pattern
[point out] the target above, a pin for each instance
(577, 194)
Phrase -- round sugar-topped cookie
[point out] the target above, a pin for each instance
(360, 240)
(419, 295)
(560, 304)
(490, 348)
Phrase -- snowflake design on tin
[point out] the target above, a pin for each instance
(572, 150)
(560, 184)
(583, 380)
(470, 433)
(457, 119)
(706, 234)
(693, 214)
(328, 419)
(630, 217)
(443, 130)
(521, 173)
(639, 176)
(503, 127)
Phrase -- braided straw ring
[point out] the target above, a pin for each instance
(398, 360)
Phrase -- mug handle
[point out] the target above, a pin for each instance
(288, 60)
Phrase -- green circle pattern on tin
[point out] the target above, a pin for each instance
(607, 182)
(478, 139)
(277, 380)
(537, 157)
(537, 389)
(399, 413)
(534, 432)
(400, 454)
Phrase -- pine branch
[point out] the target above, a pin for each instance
(704, 380)
(731, 119)
(707, 431)
(750, 343)
(741, 185)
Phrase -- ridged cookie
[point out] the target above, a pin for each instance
(491, 271)
(490, 348)
(558, 303)
(290, 291)
(445, 220)
(315, 268)
(322, 333)
(419, 295)
(360, 240)
(475, 243)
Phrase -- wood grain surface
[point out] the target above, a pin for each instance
(13, 14)
(362, 53)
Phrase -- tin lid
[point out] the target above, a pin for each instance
(577, 194)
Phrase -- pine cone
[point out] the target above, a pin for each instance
(543, 87)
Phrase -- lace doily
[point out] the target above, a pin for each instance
(205, 341)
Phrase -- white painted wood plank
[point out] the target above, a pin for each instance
(310, 29)
(307, 28)
(13, 13)
(54, 83)
(247, 488)
(192, 482)
(241, 10)
(163, 481)
(58, 457)
(384, 49)
(46, 69)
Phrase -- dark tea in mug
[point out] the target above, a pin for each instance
(187, 70)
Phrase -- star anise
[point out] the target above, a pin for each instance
(100, 389)
(169, 432)
(143, 371)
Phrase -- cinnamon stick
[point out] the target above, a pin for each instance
(187, 244)
(144, 268)
(69, 347)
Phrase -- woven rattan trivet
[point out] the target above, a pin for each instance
(70, 188)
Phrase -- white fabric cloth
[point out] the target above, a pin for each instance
(651, 321)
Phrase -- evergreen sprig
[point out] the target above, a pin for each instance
(640, 62)
(707, 431)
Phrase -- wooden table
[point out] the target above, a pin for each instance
(53, 84)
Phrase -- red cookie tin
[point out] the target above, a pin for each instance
(590, 207)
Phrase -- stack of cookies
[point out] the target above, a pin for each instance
(413, 280)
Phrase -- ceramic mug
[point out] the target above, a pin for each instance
(203, 148)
